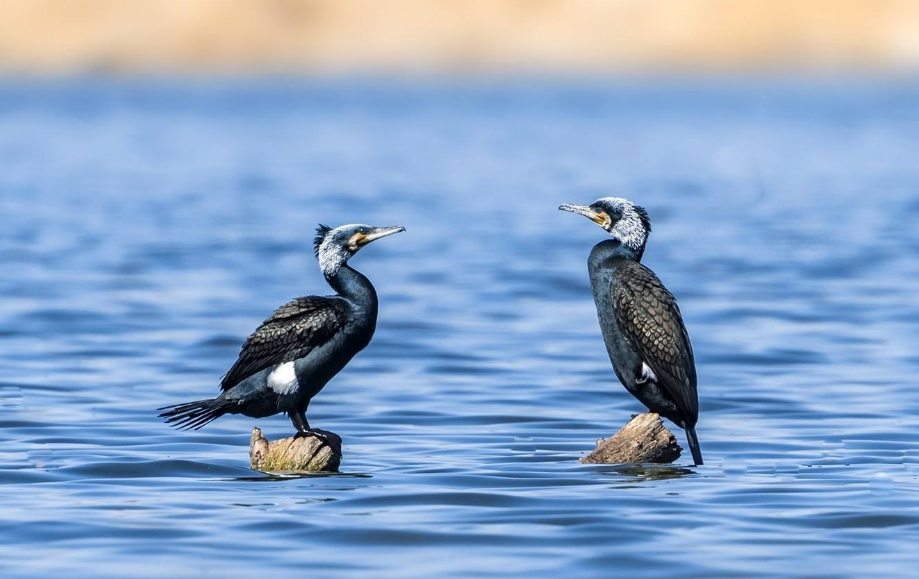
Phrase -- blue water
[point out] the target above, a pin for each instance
(148, 227)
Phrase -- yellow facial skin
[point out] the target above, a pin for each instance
(358, 240)
(601, 217)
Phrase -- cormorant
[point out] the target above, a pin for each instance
(295, 352)
(641, 324)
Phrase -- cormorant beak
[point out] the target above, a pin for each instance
(601, 218)
(377, 233)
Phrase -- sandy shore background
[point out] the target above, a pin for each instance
(451, 35)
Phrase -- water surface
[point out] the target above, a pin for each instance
(149, 227)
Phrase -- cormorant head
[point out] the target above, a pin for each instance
(626, 222)
(334, 247)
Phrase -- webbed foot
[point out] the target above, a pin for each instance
(329, 438)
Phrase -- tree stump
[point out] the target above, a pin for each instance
(643, 439)
(295, 454)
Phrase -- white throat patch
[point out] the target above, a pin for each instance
(283, 379)
(629, 230)
(331, 258)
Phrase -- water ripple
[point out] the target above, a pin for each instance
(150, 228)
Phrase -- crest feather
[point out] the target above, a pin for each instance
(643, 215)
(321, 232)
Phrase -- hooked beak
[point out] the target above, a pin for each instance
(378, 233)
(599, 217)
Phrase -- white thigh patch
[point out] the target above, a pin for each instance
(646, 374)
(283, 379)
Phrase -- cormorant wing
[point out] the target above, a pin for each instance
(651, 323)
(292, 331)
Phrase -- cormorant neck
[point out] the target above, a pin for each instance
(353, 286)
(612, 249)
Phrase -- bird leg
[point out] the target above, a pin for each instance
(330, 439)
(304, 430)
(300, 423)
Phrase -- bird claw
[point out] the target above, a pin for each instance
(311, 433)
(331, 440)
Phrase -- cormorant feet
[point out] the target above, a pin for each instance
(329, 438)
(311, 432)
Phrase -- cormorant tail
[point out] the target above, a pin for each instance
(694, 446)
(194, 415)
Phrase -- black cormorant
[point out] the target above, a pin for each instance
(295, 352)
(640, 321)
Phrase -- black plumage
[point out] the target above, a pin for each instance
(651, 324)
(293, 331)
(645, 336)
(294, 353)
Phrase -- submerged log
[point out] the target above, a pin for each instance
(643, 439)
(295, 454)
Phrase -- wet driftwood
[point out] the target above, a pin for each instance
(643, 439)
(295, 454)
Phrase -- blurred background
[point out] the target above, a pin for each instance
(163, 165)
(457, 35)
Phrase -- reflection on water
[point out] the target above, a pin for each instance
(148, 229)
(643, 472)
(283, 476)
